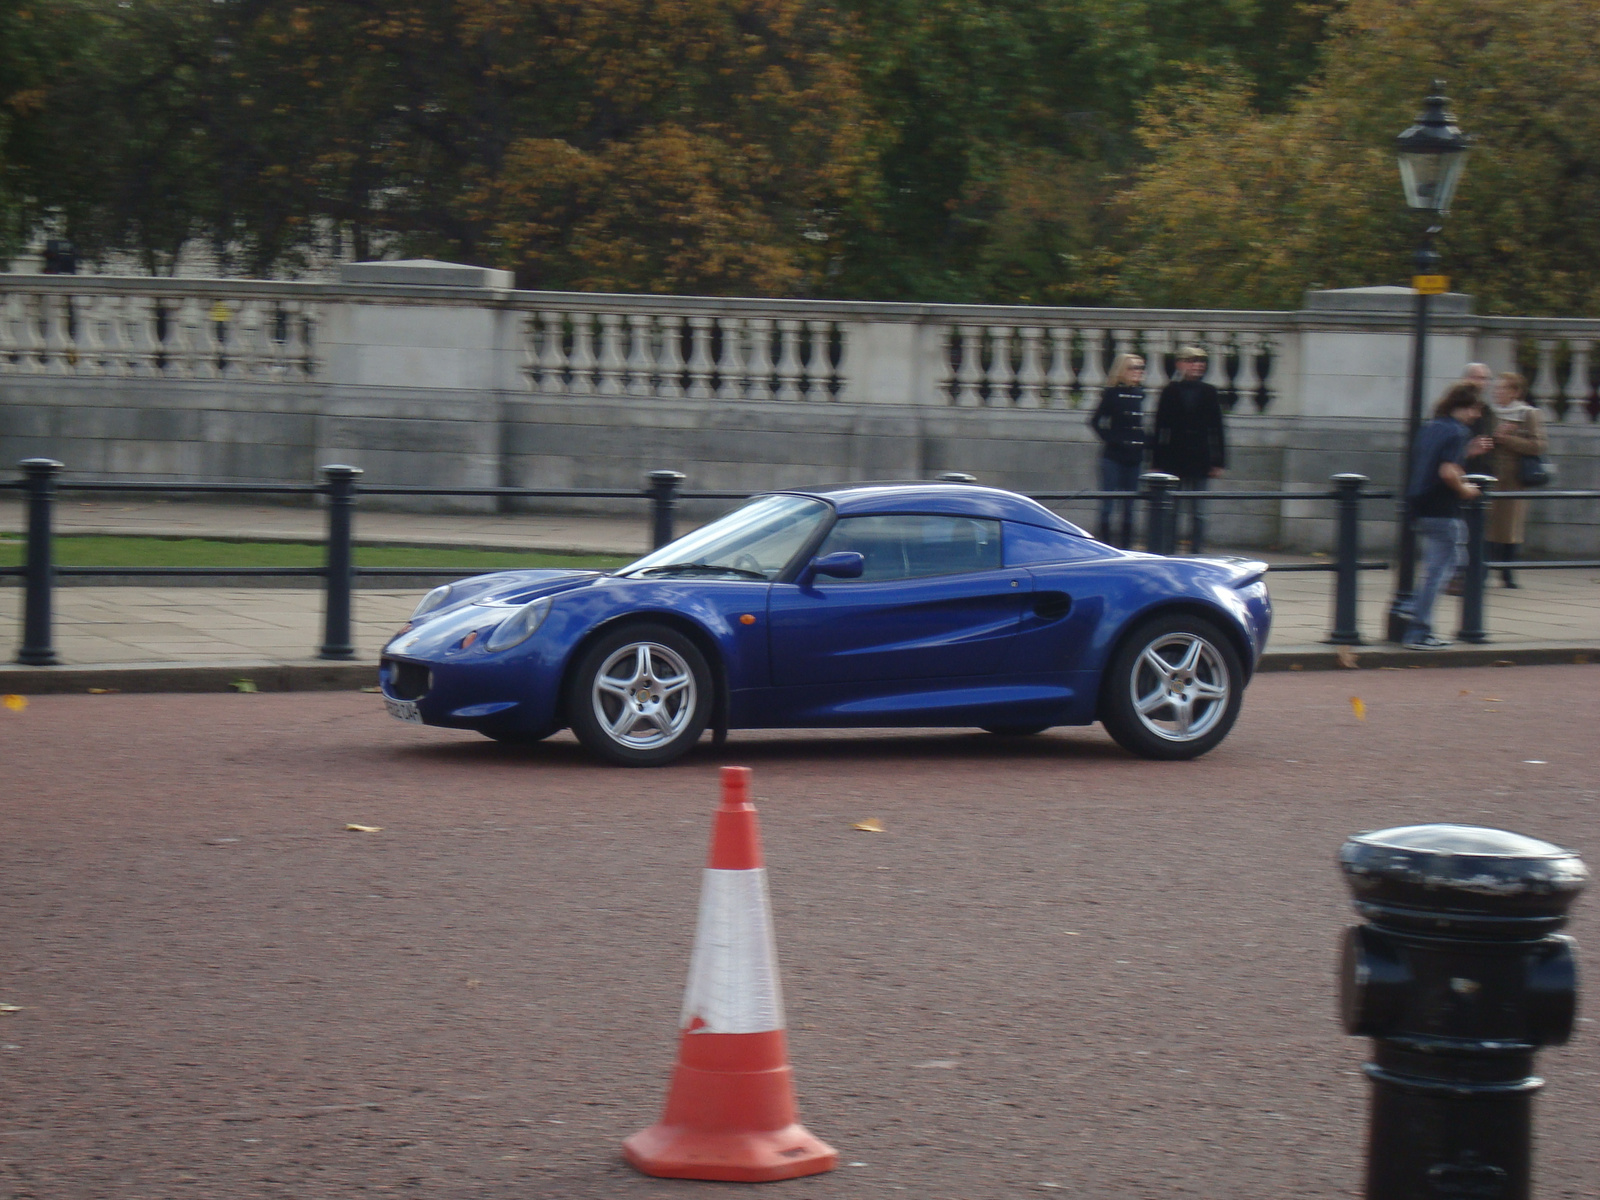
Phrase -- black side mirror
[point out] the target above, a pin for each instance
(841, 564)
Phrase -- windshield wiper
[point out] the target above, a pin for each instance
(703, 569)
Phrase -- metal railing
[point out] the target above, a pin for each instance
(41, 482)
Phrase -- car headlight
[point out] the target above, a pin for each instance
(438, 598)
(519, 626)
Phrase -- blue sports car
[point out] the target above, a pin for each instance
(856, 605)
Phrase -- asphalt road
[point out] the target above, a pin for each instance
(1059, 971)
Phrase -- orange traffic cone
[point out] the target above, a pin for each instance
(730, 1111)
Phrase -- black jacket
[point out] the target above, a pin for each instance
(1189, 440)
(1119, 423)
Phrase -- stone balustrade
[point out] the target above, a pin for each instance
(444, 375)
(437, 325)
(133, 328)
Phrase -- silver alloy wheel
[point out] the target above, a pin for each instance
(643, 695)
(1180, 687)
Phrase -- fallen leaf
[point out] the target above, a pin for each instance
(1493, 700)
(353, 828)
(1358, 707)
(1464, 692)
(101, 691)
(5, 1008)
(1502, 662)
(1296, 667)
(472, 983)
(243, 685)
(1580, 659)
(870, 825)
(15, 703)
(372, 689)
(1346, 657)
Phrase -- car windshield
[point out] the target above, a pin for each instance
(754, 542)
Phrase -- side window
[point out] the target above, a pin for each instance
(906, 546)
(1026, 544)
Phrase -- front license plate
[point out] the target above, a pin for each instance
(405, 710)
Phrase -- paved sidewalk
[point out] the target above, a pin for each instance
(1553, 616)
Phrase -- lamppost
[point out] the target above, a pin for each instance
(1432, 154)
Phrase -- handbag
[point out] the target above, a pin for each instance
(1535, 471)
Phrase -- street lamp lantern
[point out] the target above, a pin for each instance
(1432, 154)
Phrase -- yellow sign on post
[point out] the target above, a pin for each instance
(1431, 285)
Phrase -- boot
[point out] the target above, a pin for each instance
(1508, 554)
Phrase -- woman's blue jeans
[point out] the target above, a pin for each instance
(1118, 477)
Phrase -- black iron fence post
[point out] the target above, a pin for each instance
(336, 642)
(1458, 976)
(663, 501)
(1347, 550)
(1160, 521)
(1472, 582)
(38, 649)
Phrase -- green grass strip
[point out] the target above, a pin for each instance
(74, 550)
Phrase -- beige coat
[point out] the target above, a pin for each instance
(1519, 431)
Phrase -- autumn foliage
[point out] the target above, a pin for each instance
(1032, 151)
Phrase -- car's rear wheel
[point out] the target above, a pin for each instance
(1014, 730)
(641, 696)
(1173, 690)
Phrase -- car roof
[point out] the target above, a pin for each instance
(923, 496)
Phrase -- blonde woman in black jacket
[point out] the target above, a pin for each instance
(1119, 424)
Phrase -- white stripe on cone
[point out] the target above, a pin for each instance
(733, 972)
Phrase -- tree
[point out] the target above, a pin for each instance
(1238, 207)
(691, 145)
(1009, 126)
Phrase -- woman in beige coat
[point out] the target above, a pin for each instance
(1519, 430)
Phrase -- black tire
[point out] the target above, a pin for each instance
(1189, 703)
(1014, 730)
(675, 715)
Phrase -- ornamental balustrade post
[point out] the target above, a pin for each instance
(1000, 374)
(641, 359)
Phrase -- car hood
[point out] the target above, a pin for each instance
(507, 588)
(480, 602)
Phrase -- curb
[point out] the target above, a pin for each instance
(177, 677)
(352, 676)
(1355, 658)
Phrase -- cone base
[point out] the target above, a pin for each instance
(757, 1156)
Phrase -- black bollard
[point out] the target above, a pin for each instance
(1458, 978)
(1161, 518)
(1475, 574)
(336, 641)
(1346, 632)
(663, 500)
(39, 574)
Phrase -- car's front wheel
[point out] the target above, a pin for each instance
(1173, 690)
(641, 696)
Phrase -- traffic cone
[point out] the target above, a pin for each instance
(730, 1112)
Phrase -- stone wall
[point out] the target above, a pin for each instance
(165, 430)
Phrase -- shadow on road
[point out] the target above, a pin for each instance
(805, 746)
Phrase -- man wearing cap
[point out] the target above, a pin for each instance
(1189, 440)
